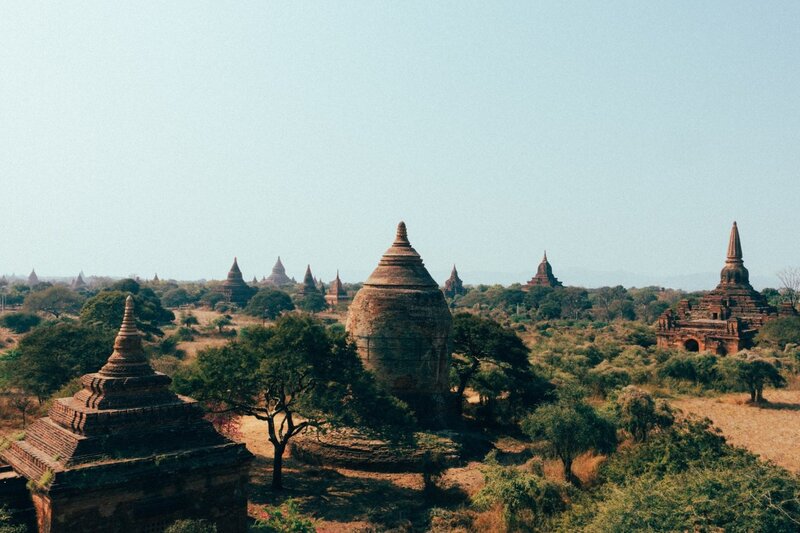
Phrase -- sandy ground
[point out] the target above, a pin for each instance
(771, 431)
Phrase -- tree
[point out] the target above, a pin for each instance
(294, 375)
(176, 297)
(56, 300)
(23, 404)
(753, 372)
(20, 322)
(790, 284)
(222, 321)
(188, 319)
(107, 307)
(269, 303)
(312, 303)
(780, 331)
(639, 413)
(57, 352)
(482, 344)
(571, 426)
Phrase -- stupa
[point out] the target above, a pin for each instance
(726, 319)
(235, 289)
(125, 454)
(33, 279)
(402, 327)
(78, 283)
(544, 275)
(309, 284)
(278, 276)
(336, 292)
(453, 286)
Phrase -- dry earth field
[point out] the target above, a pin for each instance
(771, 431)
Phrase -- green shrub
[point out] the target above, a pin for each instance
(7, 524)
(191, 526)
(639, 414)
(759, 497)
(284, 518)
(528, 500)
(20, 322)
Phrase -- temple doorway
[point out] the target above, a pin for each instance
(691, 346)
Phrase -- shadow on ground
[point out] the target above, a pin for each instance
(329, 495)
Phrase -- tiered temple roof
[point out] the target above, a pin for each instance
(726, 319)
(33, 279)
(125, 449)
(79, 283)
(544, 275)
(453, 286)
(278, 276)
(336, 292)
(309, 284)
(234, 287)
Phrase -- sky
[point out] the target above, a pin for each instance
(622, 137)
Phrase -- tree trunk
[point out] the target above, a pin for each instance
(571, 478)
(277, 467)
(760, 394)
(752, 394)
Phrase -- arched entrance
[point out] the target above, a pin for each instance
(691, 345)
(721, 350)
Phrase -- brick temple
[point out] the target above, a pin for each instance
(278, 276)
(234, 288)
(402, 327)
(309, 285)
(544, 276)
(726, 319)
(453, 286)
(125, 454)
(336, 293)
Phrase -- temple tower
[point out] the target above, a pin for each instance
(402, 327)
(278, 276)
(235, 289)
(544, 275)
(726, 319)
(453, 286)
(125, 454)
(33, 279)
(309, 285)
(336, 292)
(78, 283)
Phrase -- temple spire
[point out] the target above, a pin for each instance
(128, 359)
(401, 238)
(734, 245)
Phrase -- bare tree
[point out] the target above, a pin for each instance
(790, 284)
(23, 404)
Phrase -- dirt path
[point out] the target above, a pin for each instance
(771, 431)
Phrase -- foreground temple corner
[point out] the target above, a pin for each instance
(127, 454)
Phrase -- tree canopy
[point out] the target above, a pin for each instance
(56, 352)
(56, 300)
(494, 361)
(269, 303)
(107, 307)
(294, 375)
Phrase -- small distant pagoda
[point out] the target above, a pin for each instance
(234, 288)
(33, 279)
(726, 319)
(544, 276)
(336, 293)
(78, 283)
(309, 285)
(453, 286)
(155, 278)
(126, 454)
(278, 276)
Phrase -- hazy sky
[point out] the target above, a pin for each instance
(621, 136)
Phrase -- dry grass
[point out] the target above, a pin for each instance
(771, 431)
